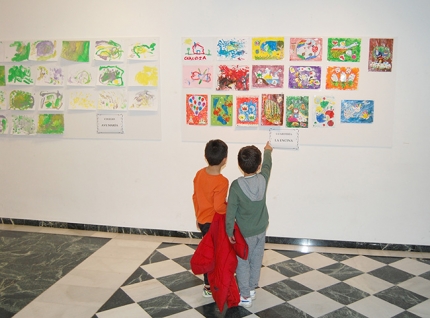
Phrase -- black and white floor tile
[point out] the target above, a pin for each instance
(113, 275)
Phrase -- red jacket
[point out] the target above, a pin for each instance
(216, 256)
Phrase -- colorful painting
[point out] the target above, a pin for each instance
(23, 125)
(197, 76)
(3, 102)
(196, 109)
(84, 99)
(43, 51)
(143, 75)
(267, 76)
(3, 125)
(297, 111)
(2, 75)
(20, 75)
(268, 48)
(324, 111)
(357, 111)
(232, 49)
(110, 75)
(49, 76)
(143, 49)
(21, 100)
(305, 49)
(247, 111)
(272, 109)
(81, 75)
(197, 49)
(142, 100)
(304, 77)
(235, 77)
(221, 110)
(50, 124)
(76, 51)
(51, 100)
(108, 50)
(17, 51)
(342, 78)
(380, 55)
(113, 99)
(343, 49)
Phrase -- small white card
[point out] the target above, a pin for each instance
(284, 138)
(110, 123)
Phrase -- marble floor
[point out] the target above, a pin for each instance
(49, 272)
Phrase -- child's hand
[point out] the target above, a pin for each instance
(268, 146)
(232, 239)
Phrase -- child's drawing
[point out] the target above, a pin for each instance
(196, 109)
(81, 75)
(297, 111)
(342, 78)
(247, 111)
(3, 125)
(85, 99)
(20, 75)
(357, 111)
(3, 102)
(108, 50)
(272, 109)
(232, 49)
(49, 76)
(142, 100)
(143, 75)
(17, 51)
(2, 75)
(304, 77)
(267, 76)
(221, 110)
(324, 111)
(23, 125)
(343, 49)
(197, 76)
(51, 100)
(110, 75)
(235, 77)
(50, 124)
(268, 48)
(76, 51)
(197, 49)
(113, 99)
(305, 49)
(21, 100)
(380, 55)
(44, 51)
(143, 49)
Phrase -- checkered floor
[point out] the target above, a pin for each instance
(292, 284)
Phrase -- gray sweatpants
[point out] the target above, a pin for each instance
(248, 271)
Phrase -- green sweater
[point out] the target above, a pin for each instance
(247, 201)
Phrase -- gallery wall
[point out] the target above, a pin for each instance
(374, 192)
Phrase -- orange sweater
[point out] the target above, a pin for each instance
(209, 197)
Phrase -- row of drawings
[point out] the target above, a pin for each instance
(244, 77)
(275, 110)
(30, 124)
(380, 52)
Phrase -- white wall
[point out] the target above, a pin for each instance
(334, 193)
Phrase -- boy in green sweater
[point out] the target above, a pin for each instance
(247, 206)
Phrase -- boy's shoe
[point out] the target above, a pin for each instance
(252, 292)
(245, 302)
(207, 292)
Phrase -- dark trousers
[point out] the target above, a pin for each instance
(204, 228)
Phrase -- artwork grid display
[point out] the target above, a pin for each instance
(42, 80)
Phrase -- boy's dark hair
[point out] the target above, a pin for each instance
(215, 151)
(249, 159)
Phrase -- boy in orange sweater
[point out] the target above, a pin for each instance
(210, 191)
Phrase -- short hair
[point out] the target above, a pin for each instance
(215, 151)
(249, 159)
